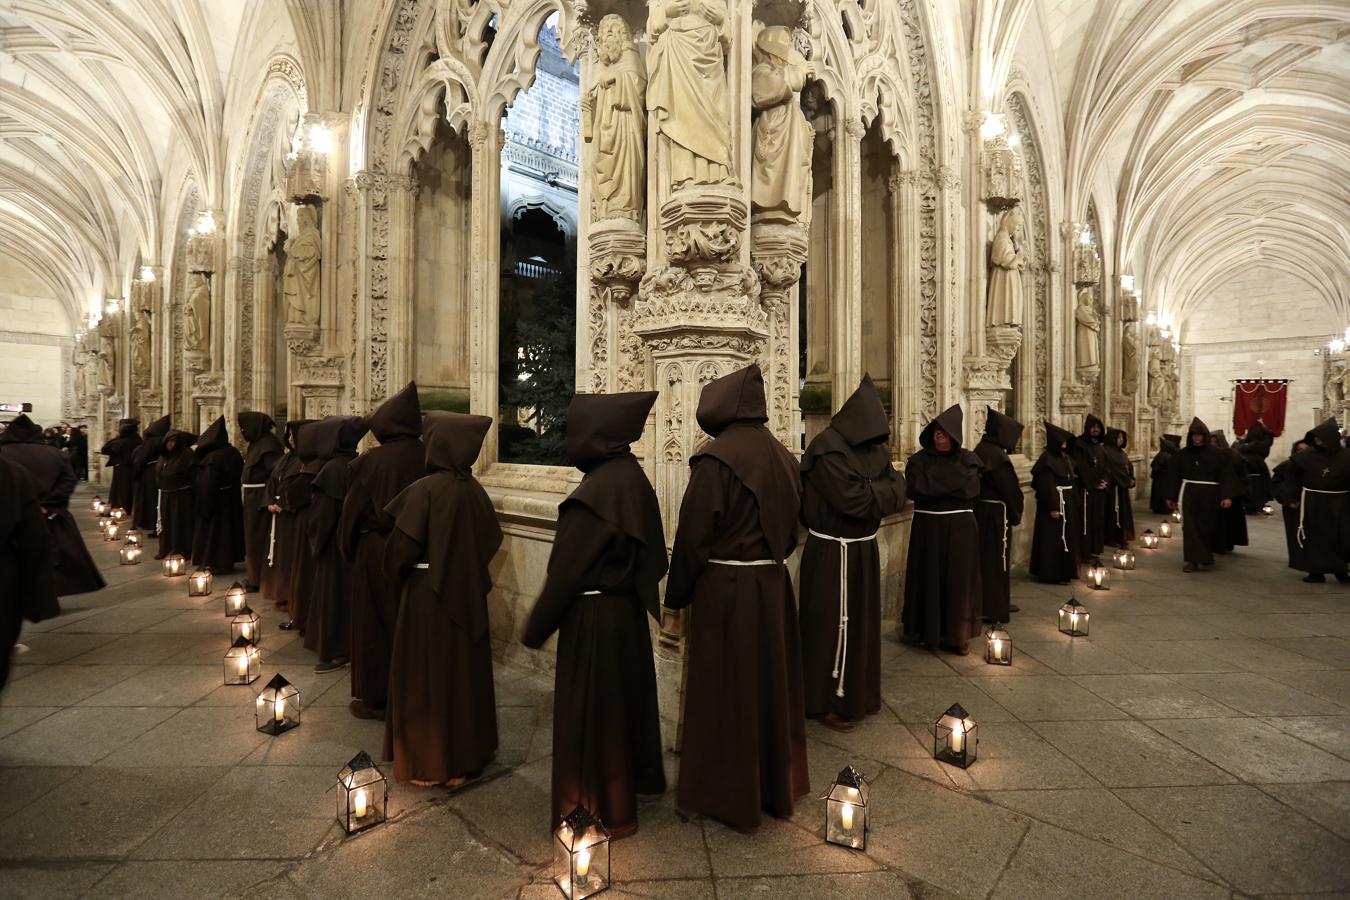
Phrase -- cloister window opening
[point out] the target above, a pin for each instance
(815, 289)
(880, 254)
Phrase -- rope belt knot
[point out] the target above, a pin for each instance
(272, 541)
(841, 641)
(1004, 508)
(1303, 504)
(1063, 519)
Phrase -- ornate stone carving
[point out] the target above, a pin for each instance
(1087, 336)
(307, 163)
(1000, 173)
(687, 90)
(201, 253)
(703, 226)
(780, 184)
(1075, 399)
(304, 252)
(1129, 359)
(107, 356)
(318, 371)
(777, 253)
(614, 123)
(1087, 264)
(140, 344)
(1008, 260)
(197, 315)
(618, 249)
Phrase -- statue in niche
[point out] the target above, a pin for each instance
(89, 375)
(197, 314)
(780, 187)
(614, 122)
(1129, 360)
(687, 93)
(140, 343)
(1155, 379)
(1009, 261)
(300, 281)
(1086, 336)
(107, 361)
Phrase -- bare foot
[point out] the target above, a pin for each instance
(422, 782)
(456, 782)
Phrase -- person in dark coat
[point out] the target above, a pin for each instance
(1057, 528)
(53, 480)
(1320, 475)
(441, 723)
(1160, 472)
(263, 454)
(604, 573)
(377, 477)
(848, 487)
(26, 554)
(296, 504)
(176, 475)
(277, 573)
(79, 452)
(1093, 480)
(218, 539)
(1233, 520)
(328, 618)
(1254, 448)
(1201, 485)
(1285, 493)
(943, 594)
(998, 510)
(119, 451)
(744, 747)
(145, 505)
(1120, 492)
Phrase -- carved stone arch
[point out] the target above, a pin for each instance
(510, 65)
(1036, 384)
(566, 221)
(883, 96)
(832, 52)
(171, 340)
(442, 90)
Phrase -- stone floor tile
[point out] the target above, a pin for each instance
(665, 846)
(327, 736)
(195, 621)
(1129, 754)
(1260, 695)
(47, 648)
(1255, 843)
(1254, 751)
(1333, 686)
(681, 889)
(116, 620)
(21, 785)
(78, 736)
(138, 649)
(1335, 651)
(160, 686)
(925, 699)
(197, 736)
(1074, 657)
(12, 718)
(1011, 756)
(1257, 656)
(878, 885)
(1331, 733)
(1327, 804)
(1046, 698)
(1165, 657)
(1153, 696)
(66, 685)
(778, 848)
(513, 810)
(43, 881)
(184, 878)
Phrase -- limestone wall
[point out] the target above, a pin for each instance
(34, 336)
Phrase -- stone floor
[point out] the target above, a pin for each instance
(1196, 745)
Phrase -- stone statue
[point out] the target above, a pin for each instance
(1155, 378)
(614, 122)
(304, 250)
(687, 93)
(1086, 336)
(140, 343)
(1129, 360)
(780, 187)
(1009, 261)
(197, 314)
(107, 361)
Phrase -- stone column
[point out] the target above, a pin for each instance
(777, 254)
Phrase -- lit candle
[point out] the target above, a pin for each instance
(998, 649)
(584, 866)
(846, 816)
(958, 737)
(243, 665)
(1073, 620)
(360, 804)
(245, 629)
(279, 709)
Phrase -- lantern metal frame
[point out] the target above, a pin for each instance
(362, 795)
(199, 582)
(1149, 539)
(96, 505)
(241, 651)
(1123, 559)
(581, 861)
(1267, 509)
(175, 565)
(846, 809)
(135, 537)
(236, 600)
(1165, 530)
(956, 740)
(1098, 575)
(1074, 618)
(129, 554)
(998, 645)
(117, 514)
(1176, 516)
(278, 696)
(246, 626)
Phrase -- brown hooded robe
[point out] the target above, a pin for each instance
(296, 503)
(1201, 478)
(441, 721)
(848, 487)
(1089, 456)
(145, 490)
(328, 616)
(1120, 491)
(744, 747)
(264, 452)
(120, 452)
(998, 510)
(176, 474)
(1158, 472)
(377, 477)
(1318, 479)
(25, 559)
(608, 559)
(1055, 539)
(218, 538)
(278, 559)
(1232, 531)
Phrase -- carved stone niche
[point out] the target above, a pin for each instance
(318, 379)
(201, 253)
(777, 253)
(1087, 265)
(618, 260)
(1129, 306)
(1075, 399)
(1000, 174)
(302, 340)
(703, 225)
(208, 397)
(618, 257)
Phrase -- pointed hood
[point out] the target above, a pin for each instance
(453, 441)
(1002, 430)
(1219, 439)
(862, 419)
(330, 437)
(253, 425)
(213, 438)
(1090, 421)
(1197, 427)
(738, 397)
(293, 427)
(149, 449)
(180, 439)
(1169, 443)
(1054, 436)
(1258, 431)
(1117, 438)
(128, 427)
(398, 417)
(1327, 434)
(159, 427)
(22, 430)
(1174, 438)
(604, 426)
(950, 420)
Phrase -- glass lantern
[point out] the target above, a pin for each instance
(135, 538)
(103, 521)
(363, 794)
(846, 809)
(112, 531)
(245, 626)
(278, 707)
(118, 514)
(235, 602)
(997, 646)
(1165, 528)
(1123, 560)
(242, 663)
(1267, 509)
(96, 505)
(174, 565)
(130, 554)
(1098, 576)
(581, 857)
(199, 583)
(954, 738)
(1149, 539)
(1176, 516)
(1073, 618)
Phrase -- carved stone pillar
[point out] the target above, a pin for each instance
(988, 382)
(777, 254)
(382, 292)
(618, 260)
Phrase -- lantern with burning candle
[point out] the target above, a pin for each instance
(581, 858)
(174, 565)
(846, 810)
(954, 738)
(96, 505)
(199, 583)
(1176, 515)
(1267, 509)
(278, 707)
(1165, 528)
(242, 663)
(1073, 618)
(129, 554)
(245, 626)
(112, 531)
(997, 646)
(117, 514)
(1123, 560)
(363, 794)
(1098, 576)
(135, 538)
(1149, 539)
(234, 600)
(102, 522)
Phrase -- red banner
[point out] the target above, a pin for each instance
(1259, 400)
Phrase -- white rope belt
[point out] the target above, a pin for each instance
(841, 641)
(590, 593)
(1063, 519)
(159, 512)
(422, 566)
(941, 512)
(1181, 497)
(251, 487)
(1003, 507)
(744, 562)
(1302, 504)
(272, 541)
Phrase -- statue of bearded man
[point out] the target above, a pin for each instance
(614, 123)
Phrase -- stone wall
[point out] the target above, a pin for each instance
(34, 335)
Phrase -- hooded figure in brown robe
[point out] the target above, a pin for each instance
(1120, 492)
(176, 474)
(848, 487)
(120, 450)
(1286, 493)
(943, 594)
(377, 477)
(328, 617)
(1158, 472)
(1254, 448)
(145, 490)
(1093, 480)
(441, 721)
(608, 559)
(53, 480)
(1201, 485)
(296, 500)
(277, 570)
(1058, 526)
(218, 539)
(998, 511)
(1319, 478)
(744, 747)
(1232, 532)
(264, 452)
(25, 559)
